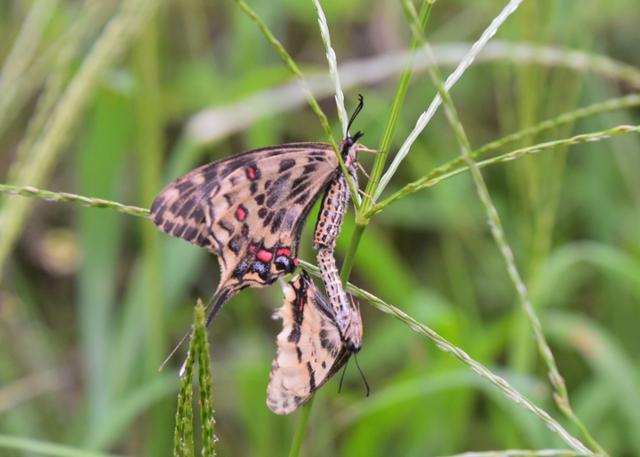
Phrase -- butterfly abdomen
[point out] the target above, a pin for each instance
(331, 215)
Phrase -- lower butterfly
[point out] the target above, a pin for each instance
(310, 347)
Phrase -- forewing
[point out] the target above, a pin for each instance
(248, 209)
(309, 347)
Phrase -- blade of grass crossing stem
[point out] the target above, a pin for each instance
(561, 395)
(313, 103)
(394, 115)
(183, 435)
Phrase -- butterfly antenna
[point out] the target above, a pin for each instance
(217, 301)
(175, 349)
(344, 370)
(364, 379)
(356, 112)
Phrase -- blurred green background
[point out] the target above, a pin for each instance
(91, 301)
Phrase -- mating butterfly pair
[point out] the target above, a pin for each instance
(249, 210)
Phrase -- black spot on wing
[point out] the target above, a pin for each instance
(286, 164)
(312, 377)
(277, 220)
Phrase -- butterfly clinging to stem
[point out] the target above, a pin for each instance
(249, 210)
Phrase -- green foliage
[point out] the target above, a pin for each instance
(183, 440)
(108, 101)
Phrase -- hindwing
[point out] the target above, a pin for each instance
(310, 348)
(248, 209)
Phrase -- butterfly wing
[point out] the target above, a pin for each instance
(248, 210)
(310, 348)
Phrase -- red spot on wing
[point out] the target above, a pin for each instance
(241, 213)
(252, 173)
(283, 251)
(264, 255)
(296, 262)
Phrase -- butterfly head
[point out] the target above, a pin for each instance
(349, 146)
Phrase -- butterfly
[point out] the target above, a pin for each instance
(249, 209)
(310, 347)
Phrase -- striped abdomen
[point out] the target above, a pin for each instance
(332, 210)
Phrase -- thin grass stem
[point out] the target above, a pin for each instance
(444, 345)
(426, 117)
(313, 103)
(561, 394)
(457, 166)
(66, 197)
(301, 429)
(394, 115)
(332, 61)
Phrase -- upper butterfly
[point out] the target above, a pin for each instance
(249, 209)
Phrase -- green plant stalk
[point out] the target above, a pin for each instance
(183, 445)
(446, 346)
(457, 166)
(387, 137)
(298, 436)
(207, 422)
(313, 103)
(46, 150)
(561, 394)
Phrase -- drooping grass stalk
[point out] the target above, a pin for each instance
(66, 197)
(458, 165)
(313, 103)
(47, 148)
(390, 128)
(426, 117)
(446, 346)
(184, 445)
(561, 394)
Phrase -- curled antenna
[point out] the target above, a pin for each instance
(364, 379)
(356, 112)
